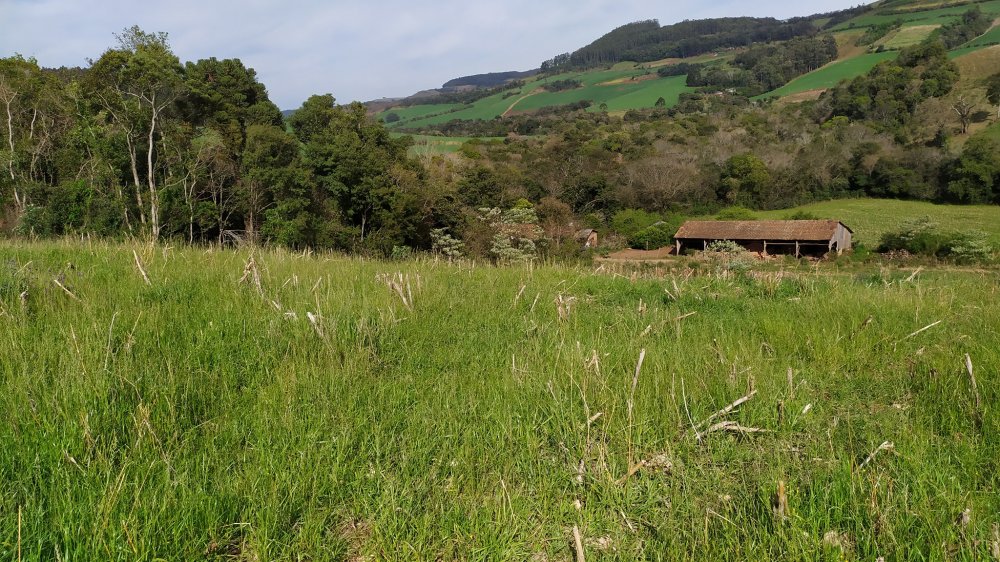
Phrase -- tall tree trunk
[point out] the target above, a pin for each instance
(18, 201)
(133, 160)
(154, 196)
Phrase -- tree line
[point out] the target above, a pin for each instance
(645, 41)
(141, 144)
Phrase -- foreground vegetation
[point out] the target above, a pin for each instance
(341, 408)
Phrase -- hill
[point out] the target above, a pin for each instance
(628, 67)
(488, 80)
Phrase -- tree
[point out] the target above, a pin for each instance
(993, 91)
(660, 102)
(273, 185)
(964, 109)
(225, 95)
(365, 180)
(313, 118)
(976, 177)
(744, 178)
(136, 83)
(32, 106)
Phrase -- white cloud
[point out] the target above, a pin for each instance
(354, 49)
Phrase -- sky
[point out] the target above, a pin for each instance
(354, 49)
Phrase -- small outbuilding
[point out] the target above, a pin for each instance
(587, 238)
(793, 237)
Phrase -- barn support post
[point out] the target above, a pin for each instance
(678, 243)
(765, 247)
(796, 248)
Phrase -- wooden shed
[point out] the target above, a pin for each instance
(798, 238)
(587, 238)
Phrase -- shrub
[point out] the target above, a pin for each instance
(736, 213)
(971, 247)
(628, 222)
(725, 247)
(922, 237)
(446, 244)
(401, 253)
(652, 237)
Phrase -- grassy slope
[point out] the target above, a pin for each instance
(870, 218)
(428, 145)
(190, 419)
(641, 94)
(831, 74)
(929, 17)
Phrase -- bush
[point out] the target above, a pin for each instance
(922, 237)
(401, 253)
(725, 247)
(971, 247)
(652, 237)
(628, 222)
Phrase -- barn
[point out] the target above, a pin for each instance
(793, 237)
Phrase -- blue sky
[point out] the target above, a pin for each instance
(354, 49)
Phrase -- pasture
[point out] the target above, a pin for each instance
(871, 218)
(333, 408)
(832, 74)
(939, 16)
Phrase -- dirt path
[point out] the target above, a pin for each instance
(517, 101)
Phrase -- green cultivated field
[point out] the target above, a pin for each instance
(831, 74)
(621, 96)
(431, 145)
(870, 218)
(929, 17)
(198, 418)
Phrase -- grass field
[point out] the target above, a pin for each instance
(428, 145)
(625, 86)
(907, 36)
(831, 74)
(198, 418)
(910, 18)
(870, 218)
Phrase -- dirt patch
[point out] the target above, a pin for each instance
(847, 44)
(807, 95)
(510, 109)
(666, 252)
(629, 80)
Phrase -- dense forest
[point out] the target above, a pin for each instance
(761, 68)
(645, 41)
(142, 144)
(488, 80)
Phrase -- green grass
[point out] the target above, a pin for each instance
(619, 97)
(929, 17)
(429, 145)
(991, 37)
(907, 36)
(870, 218)
(199, 419)
(831, 74)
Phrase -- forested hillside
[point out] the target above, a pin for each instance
(140, 143)
(648, 41)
